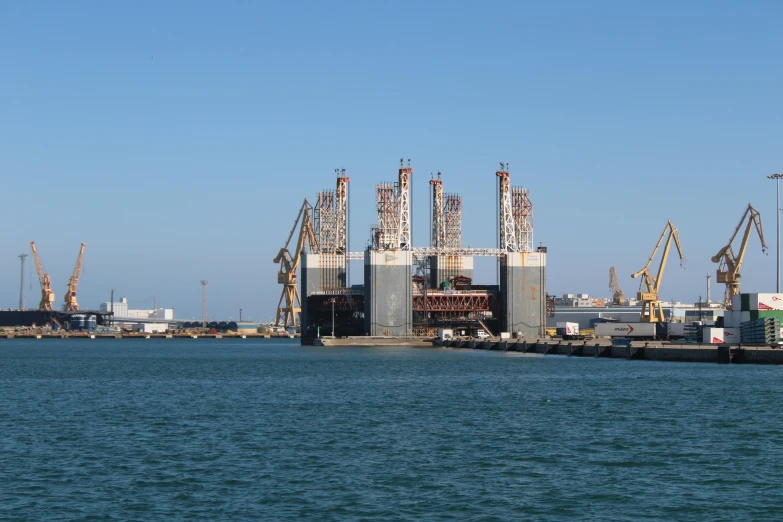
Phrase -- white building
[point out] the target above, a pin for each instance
(575, 300)
(121, 311)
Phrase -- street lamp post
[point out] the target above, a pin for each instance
(777, 177)
(240, 315)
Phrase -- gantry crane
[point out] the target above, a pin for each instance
(730, 264)
(652, 311)
(70, 296)
(289, 263)
(47, 296)
(618, 297)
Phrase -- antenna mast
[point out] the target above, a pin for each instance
(204, 303)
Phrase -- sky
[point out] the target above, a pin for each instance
(178, 139)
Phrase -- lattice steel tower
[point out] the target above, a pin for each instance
(508, 235)
(438, 232)
(403, 198)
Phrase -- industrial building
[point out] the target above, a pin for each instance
(408, 290)
(147, 321)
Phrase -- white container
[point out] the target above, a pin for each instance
(712, 336)
(731, 335)
(445, 334)
(505, 335)
(565, 328)
(736, 303)
(625, 330)
(766, 302)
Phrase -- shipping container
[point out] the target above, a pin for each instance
(731, 318)
(764, 314)
(645, 330)
(736, 303)
(731, 335)
(445, 335)
(565, 328)
(764, 302)
(721, 335)
(713, 336)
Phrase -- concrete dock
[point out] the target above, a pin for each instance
(646, 350)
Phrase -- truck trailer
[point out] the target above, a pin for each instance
(631, 330)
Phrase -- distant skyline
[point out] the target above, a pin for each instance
(178, 139)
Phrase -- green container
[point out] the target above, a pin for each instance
(763, 314)
(745, 302)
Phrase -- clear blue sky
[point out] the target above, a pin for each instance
(177, 139)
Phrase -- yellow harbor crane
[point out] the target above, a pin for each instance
(618, 297)
(730, 264)
(652, 311)
(47, 296)
(289, 263)
(70, 296)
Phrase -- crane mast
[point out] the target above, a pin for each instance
(47, 296)
(730, 263)
(70, 296)
(289, 264)
(652, 311)
(618, 297)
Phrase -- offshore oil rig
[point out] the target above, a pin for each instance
(407, 290)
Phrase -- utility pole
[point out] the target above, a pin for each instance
(708, 289)
(777, 177)
(240, 315)
(204, 303)
(22, 304)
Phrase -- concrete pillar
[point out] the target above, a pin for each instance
(523, 294)
(388, 292)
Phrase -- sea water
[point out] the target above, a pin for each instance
(211, 429)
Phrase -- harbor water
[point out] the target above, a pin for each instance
(208, 429)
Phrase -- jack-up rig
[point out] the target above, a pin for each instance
(395, 300)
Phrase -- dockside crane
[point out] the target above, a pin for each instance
(730, 264)
(289, 263)
(70, 296)
(652, 311)
(47, 296)
(618, 297)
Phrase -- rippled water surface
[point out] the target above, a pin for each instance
(246, 430)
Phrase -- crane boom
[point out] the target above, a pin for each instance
(47, 296)
(71, 305)
(289, 264)
(618, 297)
(730, 263)
(652, 311)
